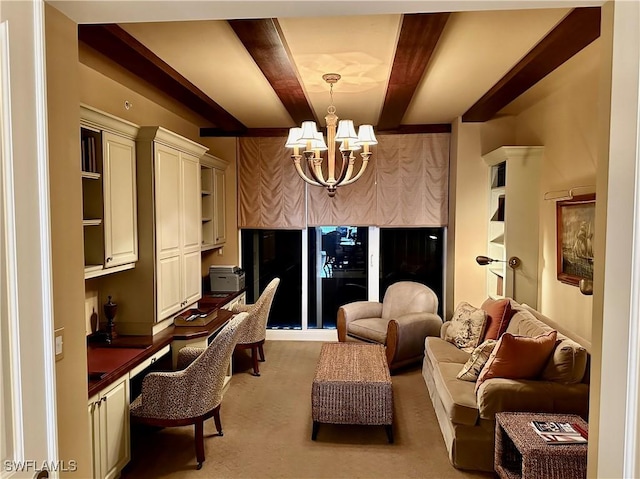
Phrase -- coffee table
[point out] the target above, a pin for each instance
(352, 385)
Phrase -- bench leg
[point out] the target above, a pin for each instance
(314, 431)
(389, 429)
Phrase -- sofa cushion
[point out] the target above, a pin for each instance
(498, 317)
(369, 329)
(458, 397)
(523, 323)
(471, 369)
(518, 357)
(567, 364)
(467, 327)
(439, 351)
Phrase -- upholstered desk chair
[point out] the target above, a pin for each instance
(406, 316)
(194, 392)
(255, 333)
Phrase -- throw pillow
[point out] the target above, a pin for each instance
(498, 317)
(476, 362)
(467, 327)
(518, 357)
(567, 364)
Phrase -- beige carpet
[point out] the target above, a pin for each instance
(267, 431)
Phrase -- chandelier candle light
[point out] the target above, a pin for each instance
(309, 138)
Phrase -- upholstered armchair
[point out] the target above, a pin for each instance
(255, 332)
(406, 316)
(193, 394)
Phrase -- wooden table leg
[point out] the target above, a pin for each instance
(314, 432)
(389, 429)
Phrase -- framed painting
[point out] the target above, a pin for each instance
(575, 228)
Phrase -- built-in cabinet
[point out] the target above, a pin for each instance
(167, 278)
(213, 179)
(513, 217)
(109, 422)
(108, 169)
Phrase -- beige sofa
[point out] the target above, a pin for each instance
(467, 419)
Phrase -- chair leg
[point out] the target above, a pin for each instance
(199, 432)
(254, 356)
(216, 419)
(261, 351)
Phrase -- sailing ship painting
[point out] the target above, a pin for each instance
(575, 222)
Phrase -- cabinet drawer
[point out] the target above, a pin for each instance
(149, 361)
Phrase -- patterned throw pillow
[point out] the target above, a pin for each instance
(467, 327)
(471, 370)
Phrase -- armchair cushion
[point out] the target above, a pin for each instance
(369, 329)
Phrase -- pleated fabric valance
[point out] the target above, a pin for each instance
(405, 185)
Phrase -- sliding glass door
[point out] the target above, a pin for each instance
(338, 271)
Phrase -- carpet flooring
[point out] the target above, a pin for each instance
(267, 431)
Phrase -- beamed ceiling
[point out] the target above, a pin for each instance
(402, 73)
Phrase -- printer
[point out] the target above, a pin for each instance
(226, 278)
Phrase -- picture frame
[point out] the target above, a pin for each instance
(575, 230)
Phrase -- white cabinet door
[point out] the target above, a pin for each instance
(109, 423)
(120, 212)
(170, 297)
(168, 201)
(191, 279)
(114, 421)
(220, 220)
(191, 203)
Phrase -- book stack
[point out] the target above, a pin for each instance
(89, 162)
(560, 432)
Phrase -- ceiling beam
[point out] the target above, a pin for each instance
(283, 132)
(118, 45)
(266, 44)
(577, 30)
(418, 38)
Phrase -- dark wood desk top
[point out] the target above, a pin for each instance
(106, 363)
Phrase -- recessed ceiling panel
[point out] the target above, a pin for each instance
(210, 56)
(475, 51)
(361, 49)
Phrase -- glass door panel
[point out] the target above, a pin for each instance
(338, 271)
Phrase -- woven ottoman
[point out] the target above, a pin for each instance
(352, 385)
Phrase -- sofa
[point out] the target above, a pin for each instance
(467, 417)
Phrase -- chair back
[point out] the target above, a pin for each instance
(406, 297)
(256, 329)
(204, 377)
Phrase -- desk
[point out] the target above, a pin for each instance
(521, 453)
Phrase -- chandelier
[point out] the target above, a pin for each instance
(309, 138)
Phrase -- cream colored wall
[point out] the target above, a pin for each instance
(66, 239)
(565, 122)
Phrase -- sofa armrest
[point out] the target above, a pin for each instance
(406, 335)
(505, 395)
(443, 329)
(357, 310)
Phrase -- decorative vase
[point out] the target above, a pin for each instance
(110, 310)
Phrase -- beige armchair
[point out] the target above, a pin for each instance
(406, 316)
(255, 332)
(193, 394)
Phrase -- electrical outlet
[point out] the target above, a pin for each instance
(59, 343)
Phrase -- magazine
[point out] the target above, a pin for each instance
(560, 432)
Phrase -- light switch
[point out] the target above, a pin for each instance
(59, 343)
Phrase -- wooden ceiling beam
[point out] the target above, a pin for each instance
(578, 29)
(418, 38)
(116, 44)
(283, 132)
(264, 41)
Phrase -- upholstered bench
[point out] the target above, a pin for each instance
(352, 385)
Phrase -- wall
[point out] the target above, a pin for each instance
(559, 113)
(65, 190)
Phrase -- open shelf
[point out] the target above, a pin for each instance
(89, 175)
(92, 222)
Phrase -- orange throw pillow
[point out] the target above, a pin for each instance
(498, 317)
(518, 357)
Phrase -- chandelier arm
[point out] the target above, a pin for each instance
(315, 168)
(365, 162)
(345, 170)
(296, 162)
